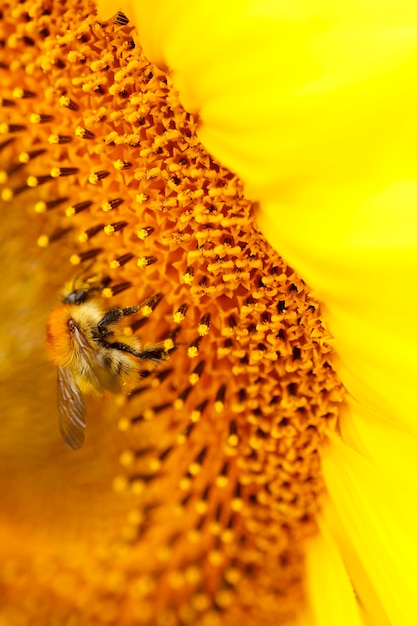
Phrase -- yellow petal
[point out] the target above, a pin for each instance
(375, 503)
(367, 600)
(330, 593)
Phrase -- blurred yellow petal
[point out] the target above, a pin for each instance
(330, 591)
(334, 533)
(376, 508)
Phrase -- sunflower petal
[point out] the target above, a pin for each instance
(374, 501)
(331, 596)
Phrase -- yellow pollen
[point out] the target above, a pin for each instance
(188, 278)
(144, 585)
(142, 233)
(203, 329)
(232, 575)
(193, 536)
(138, 487)
(120, 484)
(123, 425)
(168, 345)
(146, 311)
(185, 484)
(32, 181)
(233, 440)
(194, 469)
(120, 165)
(127, 458)
(192, 574)
(64, 101)
(215, 558)
(6, 194)
(43, 241)
(222, 481)
(154, 465)
(80, 132)
(195, 416)
(148, 415)
(201, 507)
(237, 504)
(40, 207)
(227, 536)
(18, 93)
(214, 528)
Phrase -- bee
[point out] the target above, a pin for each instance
(84, 341)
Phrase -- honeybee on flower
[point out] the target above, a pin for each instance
(85, 342)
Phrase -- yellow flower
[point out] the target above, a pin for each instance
(313, 105)
(197, 509)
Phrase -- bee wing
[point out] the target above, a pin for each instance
(71, 409)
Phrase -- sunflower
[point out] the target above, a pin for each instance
(234, 485)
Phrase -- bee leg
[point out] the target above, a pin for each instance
(154, 354)
(118, 345)
(129, 310)
(111, 317)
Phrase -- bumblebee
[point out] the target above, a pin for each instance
(85, 342)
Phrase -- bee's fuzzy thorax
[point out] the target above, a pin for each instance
(58, 339)
(87, 315)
